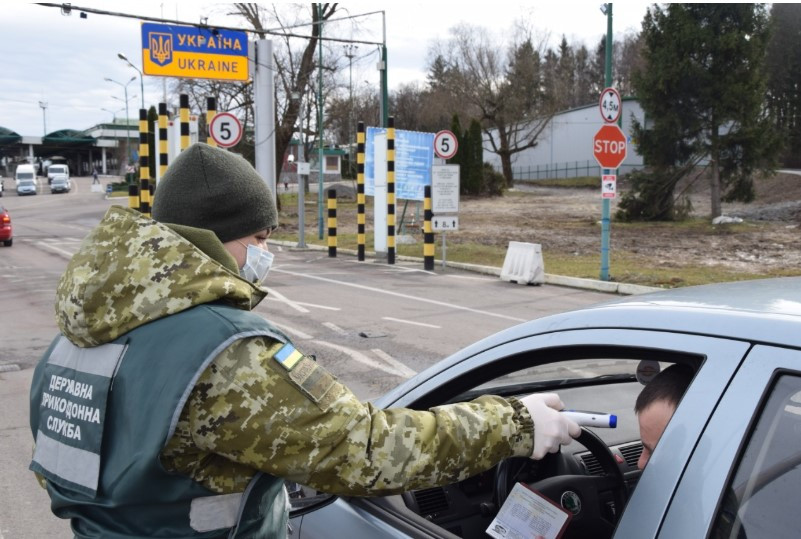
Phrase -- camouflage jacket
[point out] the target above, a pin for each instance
(247, 412)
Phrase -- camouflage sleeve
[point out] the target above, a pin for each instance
(304, 425)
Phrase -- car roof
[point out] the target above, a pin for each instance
(756, 311)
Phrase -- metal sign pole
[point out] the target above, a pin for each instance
(444, 249)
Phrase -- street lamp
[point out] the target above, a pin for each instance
(113, 113)
(127, 117)
(121, 56)
(349, 55)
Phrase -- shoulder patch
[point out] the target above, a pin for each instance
(287, 356)
(314, 381)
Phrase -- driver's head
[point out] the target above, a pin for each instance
(656, 403)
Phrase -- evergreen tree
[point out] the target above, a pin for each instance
(702, 90)
(783, 66)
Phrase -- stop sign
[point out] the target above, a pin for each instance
(609, 146)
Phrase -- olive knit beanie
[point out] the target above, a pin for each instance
(210, 188)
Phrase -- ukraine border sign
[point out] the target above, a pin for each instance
(197, 53)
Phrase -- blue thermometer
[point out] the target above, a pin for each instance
(592, 419)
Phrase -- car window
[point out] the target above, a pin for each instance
(762, 499)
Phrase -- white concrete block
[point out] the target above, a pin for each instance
(523, 263)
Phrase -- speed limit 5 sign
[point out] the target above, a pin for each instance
(445, 144)
(225, 129)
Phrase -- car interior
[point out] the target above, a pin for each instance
(601, 465)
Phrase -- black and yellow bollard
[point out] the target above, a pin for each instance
(164, 150)
(184, 104)
(144, 164)
(428, 233)
(133, 196)
(360, 237)
(211, 112)
(332, 223)
(391, 190)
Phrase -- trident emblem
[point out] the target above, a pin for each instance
(160, 48)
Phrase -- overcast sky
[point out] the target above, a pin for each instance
(61, 61)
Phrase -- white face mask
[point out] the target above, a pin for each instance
(257, 264)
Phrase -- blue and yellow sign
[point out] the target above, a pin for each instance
(197, 53)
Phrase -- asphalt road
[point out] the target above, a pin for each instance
(371, 324)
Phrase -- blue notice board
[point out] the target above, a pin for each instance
(414, 155)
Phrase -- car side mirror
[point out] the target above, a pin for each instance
(305, 499)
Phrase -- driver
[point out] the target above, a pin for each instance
(166, 407)
(655, 406)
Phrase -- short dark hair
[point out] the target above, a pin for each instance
(668, 385)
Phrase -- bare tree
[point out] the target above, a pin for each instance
(505, 90)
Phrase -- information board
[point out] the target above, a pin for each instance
(414, 156)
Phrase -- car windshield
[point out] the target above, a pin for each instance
(25, 175)
(26, 182)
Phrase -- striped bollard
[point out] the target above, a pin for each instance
(163, 142)
(428, 233)
(144, 164)
(391, 190)
(184, 104)
(211, 112)
(332, 223)
(360, 236)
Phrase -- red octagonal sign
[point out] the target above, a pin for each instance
(609, 146)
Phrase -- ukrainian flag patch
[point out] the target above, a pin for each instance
(288, 356)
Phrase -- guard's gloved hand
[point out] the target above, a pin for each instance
(550, 427)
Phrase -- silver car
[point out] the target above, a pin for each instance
(727, 465)
(60, 183)
(26, 187)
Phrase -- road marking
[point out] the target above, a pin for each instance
(395, 363)
(277, 296)
(335, 328)
(316, 306)
(292, 331)
(410, 322)
(404, 296)
(363, 359)
(62, 252)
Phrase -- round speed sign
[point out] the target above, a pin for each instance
(225, 129)
(445, 144)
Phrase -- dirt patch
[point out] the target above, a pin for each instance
(567, 221)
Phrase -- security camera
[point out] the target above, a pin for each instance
(291, 158)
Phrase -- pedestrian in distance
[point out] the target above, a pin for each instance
(165, 407)
(94, 176)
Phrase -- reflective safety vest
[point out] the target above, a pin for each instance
(101, 416)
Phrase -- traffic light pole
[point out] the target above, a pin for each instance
(605, 204)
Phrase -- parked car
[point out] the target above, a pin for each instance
(6, 231)
(27, 187)
(60, 183)
(727, 465)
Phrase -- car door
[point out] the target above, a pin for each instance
(742, 480)
(719, 357)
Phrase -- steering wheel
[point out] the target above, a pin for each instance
(589, 517)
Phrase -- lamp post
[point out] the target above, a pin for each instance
(127, 117)
(124, 58)
(113, 113)
(297, 96)
(43, 104)
(349, 55)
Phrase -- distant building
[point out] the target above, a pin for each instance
(564, 148)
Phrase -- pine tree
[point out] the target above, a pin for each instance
(702, 90)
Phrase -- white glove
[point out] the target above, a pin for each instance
(550, 427)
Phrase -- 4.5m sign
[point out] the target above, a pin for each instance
(196, 53)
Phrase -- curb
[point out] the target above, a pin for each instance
(625, 289)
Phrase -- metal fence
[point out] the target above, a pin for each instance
(572, 169)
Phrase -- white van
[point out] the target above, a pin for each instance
(25, 172)
(52, 170)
